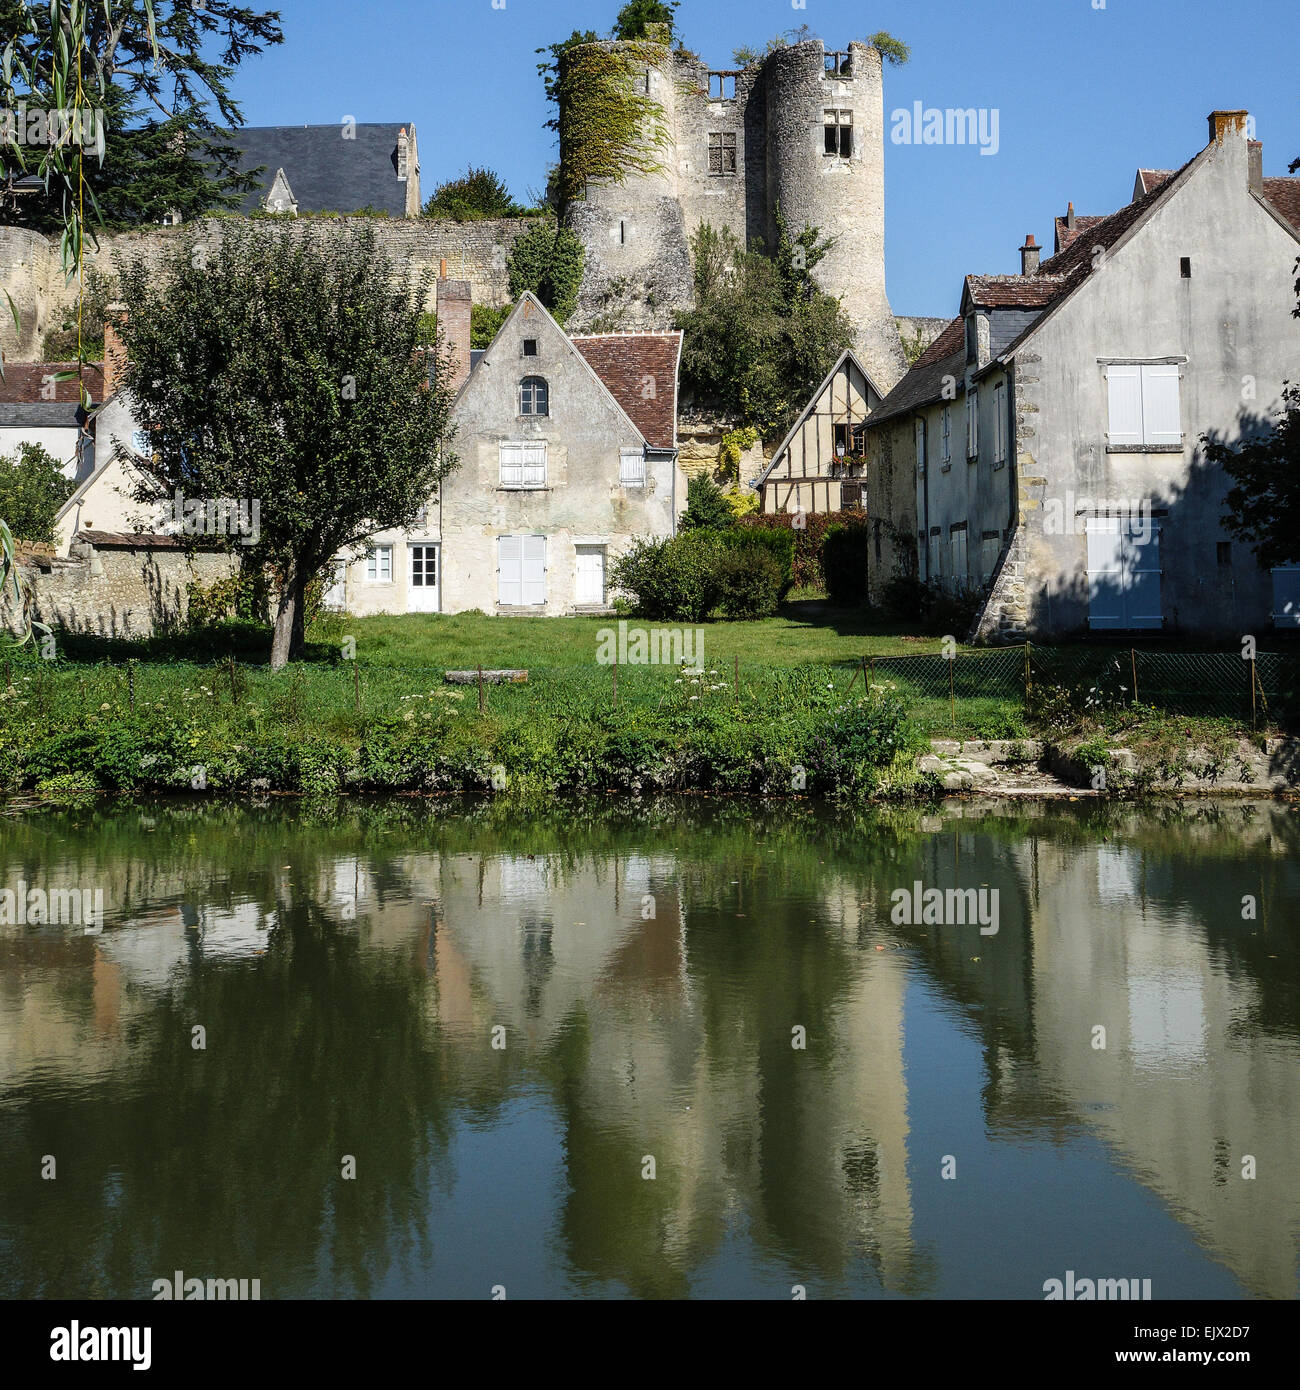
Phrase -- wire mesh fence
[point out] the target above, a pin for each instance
(972, 690)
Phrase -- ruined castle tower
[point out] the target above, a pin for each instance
(803, 129)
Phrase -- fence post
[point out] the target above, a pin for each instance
(480, 688)
(1133, 657)
(871, 680)
(1252, 692)
(952, 690)
(1029, 678)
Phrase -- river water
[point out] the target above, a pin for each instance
(406, 1048)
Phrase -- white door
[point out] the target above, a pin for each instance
(1123, 573)
(590, 586)
(521, 562)
(422, 590)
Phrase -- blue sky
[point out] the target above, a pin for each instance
(1084, 96)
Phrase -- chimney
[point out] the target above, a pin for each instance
(1069, 217)
(1029, 254)
(114, 348)
(1255, 166)
(454, 324)
(1223, 123)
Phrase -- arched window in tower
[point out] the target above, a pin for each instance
(839, 134)
(534, 396)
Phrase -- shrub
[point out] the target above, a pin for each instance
(857, 741)
(672, 580)
(547, 260)
(779, 545)
(749, 582)
(808, 537)
(844, 564)
(706, 506)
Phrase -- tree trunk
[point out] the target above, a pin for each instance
(298, 635)
(287, 607)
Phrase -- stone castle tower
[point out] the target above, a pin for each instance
(802, 129)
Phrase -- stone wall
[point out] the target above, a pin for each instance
(30, 270)
(121, 592)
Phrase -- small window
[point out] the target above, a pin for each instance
(140, 442)
(722, 153)
(530, 347)
(947, 435)
(973, 423)
(839, 134)
(523, 465)
(379, 565)
(534, 397)
(1223, 553)
(920, 446)
(1144, 406)
(1185, 266)
(1000, 423)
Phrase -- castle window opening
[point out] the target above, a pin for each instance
(839, 134)
(726, 88)
(530, 347)
(839, 64)
(722, 152)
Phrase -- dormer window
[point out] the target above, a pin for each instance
(534, 396)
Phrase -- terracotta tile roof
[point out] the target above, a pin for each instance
(1148, 180)
(626, 362)
(23, 382)
(1065, 234)
(1014, 291)
(1284, 194)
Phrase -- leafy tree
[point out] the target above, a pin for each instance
(282, 367)
(32, 489)
(636, 15)
(892, 50)
(476, 194)
(1262, 507)
(706, 506)
(547, 260)
(762, 335)
(165, 107)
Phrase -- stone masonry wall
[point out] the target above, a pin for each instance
(120, 592)
(31, 272)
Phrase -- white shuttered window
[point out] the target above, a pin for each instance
(1144, 405)
(523, 464)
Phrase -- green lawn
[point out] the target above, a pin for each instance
(806, 633)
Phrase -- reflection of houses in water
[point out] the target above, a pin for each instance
(1191, 1079)
(807, 1147)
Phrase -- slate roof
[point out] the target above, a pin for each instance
(326, 172)
(923, 384)
(624, 362)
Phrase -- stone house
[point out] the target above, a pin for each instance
(1053, 431)
(567, 452)
(818, 466)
